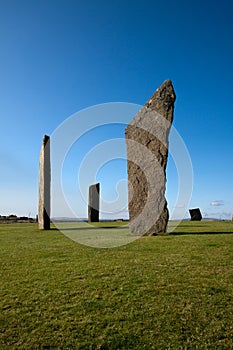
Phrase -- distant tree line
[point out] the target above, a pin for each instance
(15, 218)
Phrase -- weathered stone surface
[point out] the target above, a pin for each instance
(147, 151)
(195, 214)
(44, 185)
(93, 204)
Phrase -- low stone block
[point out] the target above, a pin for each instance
(195, 214)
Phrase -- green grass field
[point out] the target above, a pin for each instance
(163, 292)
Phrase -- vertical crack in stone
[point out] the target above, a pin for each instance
(147, 152)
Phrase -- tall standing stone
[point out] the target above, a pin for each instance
(147, 152)
(93, 204)
(44, 185)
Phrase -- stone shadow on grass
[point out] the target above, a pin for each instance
(199, 233)
(89, 228)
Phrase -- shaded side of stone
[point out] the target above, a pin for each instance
(44, 185)
(93, 203)
(147, 152)
(195, 214)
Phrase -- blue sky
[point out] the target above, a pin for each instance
(59, 57)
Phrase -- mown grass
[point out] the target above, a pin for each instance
(164, 292)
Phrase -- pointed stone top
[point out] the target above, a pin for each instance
(160, 103)
(163, 98)
(45, 139)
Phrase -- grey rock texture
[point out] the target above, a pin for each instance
(195, 214)
(93, 204)
(44, 185)
(147, 152)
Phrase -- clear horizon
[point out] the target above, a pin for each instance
(61, 58)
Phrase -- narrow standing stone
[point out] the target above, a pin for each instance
(93, 205)
(44, 185)
(147, 152)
